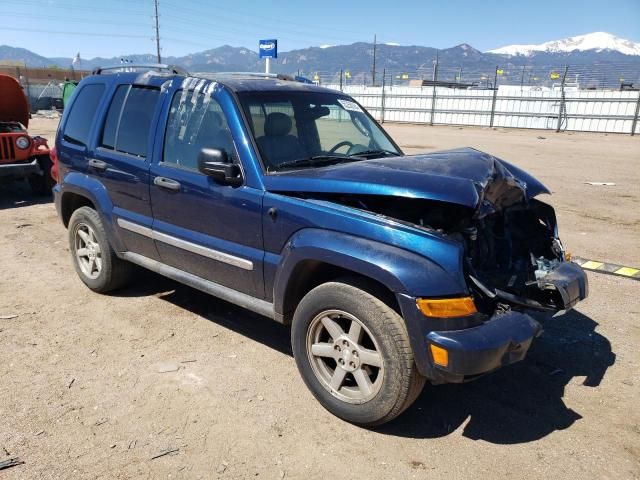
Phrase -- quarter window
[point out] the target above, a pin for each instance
(82, 112)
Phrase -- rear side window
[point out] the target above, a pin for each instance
(113, 117)
(82, 112)
(129, 119)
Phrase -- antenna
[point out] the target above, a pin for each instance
(155, 2)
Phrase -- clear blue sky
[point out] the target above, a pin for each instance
(119, 27)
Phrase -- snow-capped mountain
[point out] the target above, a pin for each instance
(597, 41)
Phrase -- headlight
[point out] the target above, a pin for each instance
(23, 142)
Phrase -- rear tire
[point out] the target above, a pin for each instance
(95, 262)
(42, 184)
(354, 354)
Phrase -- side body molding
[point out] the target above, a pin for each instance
(402, 271)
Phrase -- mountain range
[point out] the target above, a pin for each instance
(599, 57)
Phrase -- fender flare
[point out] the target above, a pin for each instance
(401, 271)
(90, 188)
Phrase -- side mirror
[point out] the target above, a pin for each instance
(215, 163)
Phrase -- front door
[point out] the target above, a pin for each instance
(200, 226)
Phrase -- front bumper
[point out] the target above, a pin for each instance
(20, 169)
(502, 340)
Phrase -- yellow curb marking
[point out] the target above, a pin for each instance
(627, 271)
(591, 265)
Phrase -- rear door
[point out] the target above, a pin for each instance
(120, 160)
(208, 229)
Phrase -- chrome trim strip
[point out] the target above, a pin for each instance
(204, 251)
(188, 246)
(136, 228)
(225, 293)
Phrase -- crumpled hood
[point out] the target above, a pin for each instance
(13, 102)
(462, 176)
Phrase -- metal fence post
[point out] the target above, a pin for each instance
(635, 117)
(384, 78)
(433, 95)
(26, 77)
(341, 79)
(493, 100)
(563, 104)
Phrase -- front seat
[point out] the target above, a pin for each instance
(214, 133)
(277, 145)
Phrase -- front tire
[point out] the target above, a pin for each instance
(95, 262)
(353, 353)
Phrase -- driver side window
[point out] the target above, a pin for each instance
(196, 121)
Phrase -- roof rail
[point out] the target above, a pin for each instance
(278, 76)
(142, 66)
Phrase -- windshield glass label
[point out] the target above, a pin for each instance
(348, 105)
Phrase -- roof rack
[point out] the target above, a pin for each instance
(277, 76)
(142, 66)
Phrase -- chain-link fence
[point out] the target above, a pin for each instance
(595, 98)
(43, 86)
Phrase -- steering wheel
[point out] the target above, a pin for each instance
(345, 143)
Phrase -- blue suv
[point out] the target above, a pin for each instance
(289, 200)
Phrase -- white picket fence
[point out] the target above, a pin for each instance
(585, 110)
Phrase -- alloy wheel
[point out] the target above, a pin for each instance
(87, 250)
(344, 356)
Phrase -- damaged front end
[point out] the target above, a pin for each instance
(513, 256)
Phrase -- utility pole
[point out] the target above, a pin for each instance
(373, 71)
(155, 2)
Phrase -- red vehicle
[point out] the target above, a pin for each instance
(21, 155)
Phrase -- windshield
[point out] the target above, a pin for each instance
(296, 129)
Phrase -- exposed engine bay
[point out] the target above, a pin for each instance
(11, 127)
(513, 256)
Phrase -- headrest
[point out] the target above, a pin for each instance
(277, 124)
(212, 120)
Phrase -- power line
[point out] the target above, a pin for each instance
(73, 20)
(58, 32)
(67, 6)
(303, 32)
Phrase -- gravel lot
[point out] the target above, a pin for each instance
(96, 386)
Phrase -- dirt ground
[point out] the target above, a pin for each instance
(97, 386)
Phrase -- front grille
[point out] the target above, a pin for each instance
(7, 149)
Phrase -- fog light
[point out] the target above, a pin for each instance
(440, 355)
(446, 307)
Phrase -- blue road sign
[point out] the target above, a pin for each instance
(268, 48)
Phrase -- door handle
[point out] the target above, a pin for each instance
(98, 164)
(167, 183)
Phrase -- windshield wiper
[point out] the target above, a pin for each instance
(372, 153)
(316, 160)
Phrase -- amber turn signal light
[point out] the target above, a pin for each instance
(440, 355)
(447, 307)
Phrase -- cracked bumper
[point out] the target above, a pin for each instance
(502, 340)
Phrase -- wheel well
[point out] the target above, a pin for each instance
(70, 203)
(310, 273)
